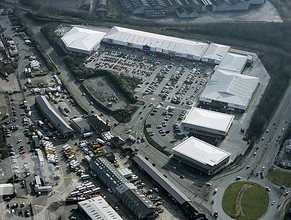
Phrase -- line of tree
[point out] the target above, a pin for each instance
(271, 99)
(42, 10)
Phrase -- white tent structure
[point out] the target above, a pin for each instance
(82, 41)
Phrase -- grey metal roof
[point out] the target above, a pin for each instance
(159, 178)
(52, 115)
(128, 192)
(233, 62)
(98, 209)
(110, 171)
(216, 52)
(138, 199)
(80, 122)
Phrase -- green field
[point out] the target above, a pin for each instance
(280, 176)
(254, 201)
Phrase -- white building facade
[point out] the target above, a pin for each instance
(201, 155)
(205, 122)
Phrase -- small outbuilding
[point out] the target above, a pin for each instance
(80, 125)
(7, 189)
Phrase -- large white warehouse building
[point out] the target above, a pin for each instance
(205, 122)
(201, 155)
(81, 41)
(156, 43)
(229, 90)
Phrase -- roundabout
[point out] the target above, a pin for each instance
(245, 200)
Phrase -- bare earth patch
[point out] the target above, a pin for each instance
(100, 90)
(238, 208)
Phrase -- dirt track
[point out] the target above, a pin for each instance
(238, 208)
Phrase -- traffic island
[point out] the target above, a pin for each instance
(245, 200)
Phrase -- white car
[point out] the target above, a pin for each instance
(268, 189)
(238, 178)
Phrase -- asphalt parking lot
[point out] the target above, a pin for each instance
(23, 161)
(175, 80)
(162, 125)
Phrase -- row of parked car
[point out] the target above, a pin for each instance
(86, 190)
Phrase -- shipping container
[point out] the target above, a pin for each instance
(87, 134)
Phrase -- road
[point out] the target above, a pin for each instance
(266, 150)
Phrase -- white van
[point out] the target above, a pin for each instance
(40, 123)
(84, 177)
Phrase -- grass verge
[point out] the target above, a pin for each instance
(280, 176)
(288, 206)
